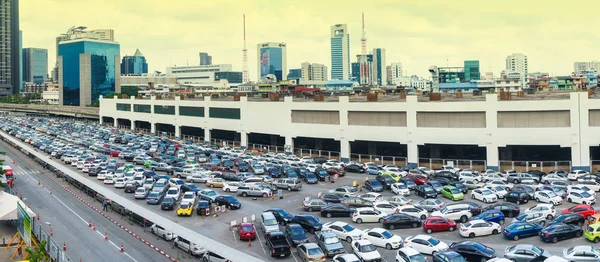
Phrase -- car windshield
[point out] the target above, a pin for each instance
(454, 190)
(210, 193)
(481, 247)
(172, 191)
(192, 186)
(521, 217)
(368, 248)
(417, 258)
(387, 234)
(270, 222)
(188, 196)
(551, 194)
(428, 189)
(312, 219)
(537, 250)
(456, 259)
(140, 190)
(348, 228)
(402, 186)
(584, 188)
(315, 251)
(436, 184)
(486, 192)
(433, 241)
(168, 200)
(297, 230)
(585, 194)
(247, 228)
(283, 213)
(498, 188)
(184, 205)
(229, 198)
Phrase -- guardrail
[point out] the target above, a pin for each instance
(68, 110)
(544, 166)
(208, 243)
(434, 163)
(381, 160)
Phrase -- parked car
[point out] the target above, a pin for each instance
(437, 223)
(337, 210)
(508, 210)
(476, 228)
(295, 234)
(277, 243)
(518, 230)
(425, 244)
(569, 218)
(581, 253)
(526, 253)
(394, 221)
(559, 232)
(495, 216)
(473, 251)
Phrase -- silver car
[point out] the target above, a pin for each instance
(310, 252)
(582, 253)
(535, 218)
(431, 204)
(525, 253)
(141, 193)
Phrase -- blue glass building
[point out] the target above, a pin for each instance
(340, 52)
(134, 65)
(89, 69)
(35, 65)
(295, 73)
(272, 60)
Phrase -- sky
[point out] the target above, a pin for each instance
(418, 33)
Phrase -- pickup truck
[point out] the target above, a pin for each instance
(278, 244)
(159, 166)
(184, 173)
(329, 243)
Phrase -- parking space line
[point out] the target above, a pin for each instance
(261, 243)
(294, 256)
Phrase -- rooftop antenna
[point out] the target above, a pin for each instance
(363, 40)
(245, 75)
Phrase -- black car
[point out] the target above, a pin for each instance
(473, 207)
(446, 174)
(332, 198)
(356, 202)
(373, 185)
(130, 187)
(201, 207)
(426, 191)
(321, 174)
(337, 210)
(442, 180)
(569, 219)
(517, 197)
(229, 201)
(473, 251)
(354, 168)
(445, 256)
(309, 222)
(508, 210)
(282, 216)
(295, 234)
(524, 189)
(168, 203)
(190, 187)
(560, 231)
(386, 181)
(401, 220)
(537, 174)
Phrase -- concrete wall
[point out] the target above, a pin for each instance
(260, 117)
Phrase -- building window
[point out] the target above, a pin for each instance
(191, 111)
(164, 110)
(142, 108)
(225, 113)
(123, 107)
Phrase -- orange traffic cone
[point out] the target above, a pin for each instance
(249, 242)
(122, 249)
(51, 233)
(106, 236)
(65, 246)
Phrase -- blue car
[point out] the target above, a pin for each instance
(322, 174)
(518, 230)
(491, 216)
(274, 172)
(310, 178)
(292, 174)
(373, 170)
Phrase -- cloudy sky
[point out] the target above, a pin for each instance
(419, 33)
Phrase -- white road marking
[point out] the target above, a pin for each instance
(261, 243)
(294, 257)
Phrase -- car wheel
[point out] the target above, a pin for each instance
(289, 189)
(164, 237)
(537, 200)
(359, 221)
(211, 185)
(580, 223)
(472, 235)
(583, 202)
(516, 237)
(310, 209)
(429, 231)
(569, 200)
(597, 240)
(388, 246)
(433, 209)
(227, 190)
(328, 215)
(423, 217)
(153, 169)
(554, 239)
(349, 239)
(516, 181)
(542, 223)
(415, 225)
(518, 202)
(495, 232)
(380, 220)
(265, 195)
(464, 219)
(525, 201)
(549, 217)
(244, 194)
(578, 234)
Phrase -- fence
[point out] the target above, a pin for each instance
(544, 166)
(195, 139)
(316, 153)
(266, 148)
(595, 166)
(382, 160)
(228, 143)
(434, 163)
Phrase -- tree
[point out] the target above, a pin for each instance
(38, 254)
(95, 103)
(130, 90)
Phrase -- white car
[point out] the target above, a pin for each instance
(148, 183)
(119, 182)
(120, 171)
(197, 178)
(109, 179)
(161, 232)
(139, 179)
(493, 177)
(553, 177)
(372, 196)
(400, 189)
(426, 170)
(502, 183)
(579, 188)
(591, 184)
(398, 200)
(484, 195)
(476, 228)
(407, 254)
(385, 207)
(129, 175)
(232, 186)
(140, 193)
(425, 244)
(85, 168)
(458, 212)
(102, 174)
(581, 197)
(547, 209)
(343, 230)
(468, 176)
(365, 250)
(498, 190)
(368, 215)
(396, 171)
(312, 168)
(413, 211)
(576, 174)
(176, 182)
(173, 192)
(189, 197)
(382, 238)
(547, 196)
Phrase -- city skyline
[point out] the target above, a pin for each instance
(423, 34)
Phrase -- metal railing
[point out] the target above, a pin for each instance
(195, 139)
(266, 148)
(544, 166)
(228, 143)
(52, 108)
(317, 153)
(434, 163)
(381, 160)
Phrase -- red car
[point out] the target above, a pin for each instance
(585, 210)
(221, 169)
(332, 171)
(436, 224)
(418, 179)
(246, 231)
(115, 153)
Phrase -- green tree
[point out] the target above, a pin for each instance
(130, 90)
(95, 103)
(38, 254)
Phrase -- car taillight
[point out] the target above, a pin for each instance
(385, 221)
(355, 215)
(440, 206)
(273, 250)
(547, 234)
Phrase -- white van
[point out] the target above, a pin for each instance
(268, 222)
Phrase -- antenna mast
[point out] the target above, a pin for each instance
(363, 40)
(245, 76)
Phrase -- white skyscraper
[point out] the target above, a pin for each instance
(517, 63)
(340, 52)
(314, 72)
(396, 73)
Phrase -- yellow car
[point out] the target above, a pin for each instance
(185, 209)
(392, 175)
(216, 182)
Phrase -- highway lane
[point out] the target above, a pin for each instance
(68, 217)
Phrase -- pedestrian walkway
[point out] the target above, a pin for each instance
(26, 172)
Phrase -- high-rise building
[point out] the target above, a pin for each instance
(472, 70)
(134, 65)
(340, 52)
(580, 67)
(10, 68)
(355, 72)
(365, 65)
(205, 59)
(295, 73)
(388, 71)
(21, 85)
(80, 32)
(396, 73)
(379, 72)
(314, 71)
(35, 65)
(517, 64)
(88, 68)
(272, 59)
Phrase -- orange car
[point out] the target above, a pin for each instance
(216, 182)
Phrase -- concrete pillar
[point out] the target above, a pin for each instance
(244, 139)
(177, 131)
(132, 125)
(153, 128)
(412, 151)
(115, 122)
(206, 134)
(580, 157)
(289, 144)
(345, 150)
(101, 120)
(492, 157)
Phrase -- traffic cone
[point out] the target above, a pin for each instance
(39, 182)
(51, 233)
(38, 217)
(106, 236)
(65, 246)
(249, 242)
(94, 227)
(90, 223)
(122, 249)
(50, 192)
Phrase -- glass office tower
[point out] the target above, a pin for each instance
(35, 65)
(472, 70)
(272, 59)
(89, 68)
(134, 65)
